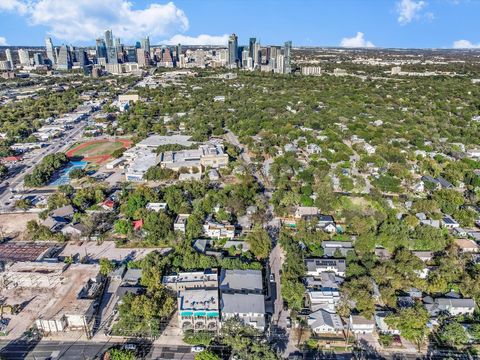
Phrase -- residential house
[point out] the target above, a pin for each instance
(191, 280)
(217, 230)
(325, 322)
(449, 222)
(132, 277)
(361, 325)
(180, 223)
(325, 298)
(317, 266)
(467, 245)
(452, 305)
(331, 248)
(160, 206)
(242, 297)
(382, 326)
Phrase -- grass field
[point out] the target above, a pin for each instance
(97, 151)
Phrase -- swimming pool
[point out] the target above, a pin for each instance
(63, 178)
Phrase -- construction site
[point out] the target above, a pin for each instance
(54, 296)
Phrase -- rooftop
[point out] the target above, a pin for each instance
(158, 140)
(241, 280)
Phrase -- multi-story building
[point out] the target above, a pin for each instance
(8, 54)
(24, 57)
(242, 297)
(64, 60)
(216, 230)
(191, 280)
(101, 48)
(50, 50)
(232, 49)
(287, 54)
(143, 58)
(197, 299)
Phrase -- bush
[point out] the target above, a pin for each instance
(198, 338)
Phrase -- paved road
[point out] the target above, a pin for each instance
(57, 145)
(17, 350)
(82, 350)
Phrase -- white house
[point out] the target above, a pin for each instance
(324, 322)
(361, 325)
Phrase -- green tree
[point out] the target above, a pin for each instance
(106, 266)
(453, 334)
(206, 355)
(260, 242)
(412, 322)
(123, 227)
(121, 354)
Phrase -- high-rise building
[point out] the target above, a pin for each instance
(143, 58)
(112, 57)
(131, 55)
(38, 59)
(232, 49)
(145, 44)
(8, 53)
(24, 57)
(287, 53)
(179, 51)
(81, 57)
(64, 60)
(257, 54)
(5, 65)
(251, 47)
(101, 48)
(50, 50)
(108, 38)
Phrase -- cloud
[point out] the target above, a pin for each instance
(465, 44)
(13, 5)
(410, 10)
(3, 41)
(202, 39)
(357, 41)
(84, 20)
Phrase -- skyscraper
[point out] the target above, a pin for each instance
(50, 50)
(101, 48)
(143, 58)
(251, 47)
(112, 57)
(146, 44)
(64, 61)
(24, 57)
(287, 68)
(38, 59)
(232, 49)
(8, 53)
(108, 38)
(257, 54)
(81, 57)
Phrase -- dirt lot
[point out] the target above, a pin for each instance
(106, 250)
(13, 224)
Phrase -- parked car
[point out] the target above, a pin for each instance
(197, 349)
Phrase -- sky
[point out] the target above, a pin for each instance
(346, 23)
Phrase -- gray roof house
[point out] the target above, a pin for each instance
(242, 296)
(330, 247)
(241, 281)
(453, 306)
(324, 322)
(317, 266)
(250, 308)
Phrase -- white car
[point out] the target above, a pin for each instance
(197, 349)
(130, 347)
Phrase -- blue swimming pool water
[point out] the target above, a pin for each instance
(62, 177)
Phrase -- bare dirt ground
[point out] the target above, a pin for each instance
(13, 224)
(106, 250)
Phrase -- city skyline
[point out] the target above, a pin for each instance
(395, 23)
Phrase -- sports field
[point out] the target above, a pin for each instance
(97, 151)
